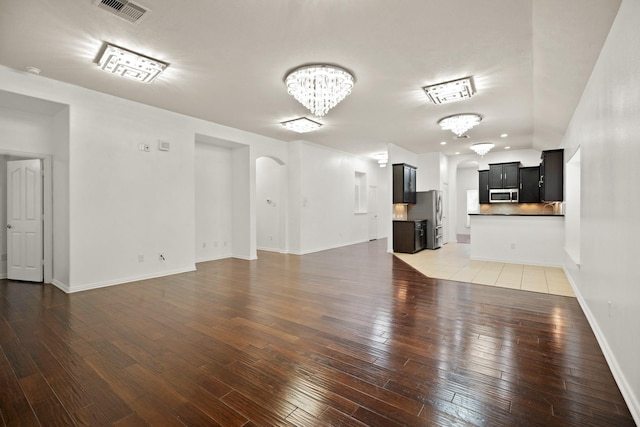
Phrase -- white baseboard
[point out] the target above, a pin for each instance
(328, 247)
(96, 285)
(627, 392)
(215, 258)
(62, 286)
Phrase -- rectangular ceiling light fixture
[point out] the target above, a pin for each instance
(130, 64)
(455, 90)
(301, 125)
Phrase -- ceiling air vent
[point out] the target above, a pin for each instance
(124, 9)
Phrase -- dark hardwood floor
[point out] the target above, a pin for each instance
(346, 337)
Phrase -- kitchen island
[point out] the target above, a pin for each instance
(534, 239)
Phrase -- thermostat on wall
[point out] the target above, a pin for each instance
(163, 145)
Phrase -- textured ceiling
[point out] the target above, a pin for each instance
(228, 59)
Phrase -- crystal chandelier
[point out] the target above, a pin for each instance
(460, 123)
(319, 87)
(482, 148)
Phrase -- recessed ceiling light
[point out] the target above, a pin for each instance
(457, 152)
(301, 125)
(507, 148)
(454, 90)
(443, 143)
(130, 64)
(504, 135)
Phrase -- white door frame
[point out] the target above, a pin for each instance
(47, 204)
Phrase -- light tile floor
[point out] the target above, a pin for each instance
(453, 262)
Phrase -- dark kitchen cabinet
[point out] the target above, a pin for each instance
(404, 183)
(483, 187)
(552, 176)
(409, 236)
(504, 175)
(530, 184)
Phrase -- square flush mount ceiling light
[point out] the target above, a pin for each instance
(301, 125)
(129, 64)
(455, 90)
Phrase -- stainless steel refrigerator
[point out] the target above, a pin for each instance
(429, 206)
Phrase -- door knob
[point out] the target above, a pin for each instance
(9, 226)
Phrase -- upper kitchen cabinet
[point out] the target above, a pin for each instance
(404, 183)
(530, 184)
(504, 175)
(483, 187)
(552, 176)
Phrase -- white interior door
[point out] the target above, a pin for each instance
(372, 209)
(24, 220)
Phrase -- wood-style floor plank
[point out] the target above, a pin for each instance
(349, 337)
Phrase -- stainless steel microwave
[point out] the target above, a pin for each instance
(503, 195)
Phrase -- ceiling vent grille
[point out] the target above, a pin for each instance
(124, 9)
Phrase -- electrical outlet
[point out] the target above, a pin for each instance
(513, 246)
(215, 244)
(204, 245)
(140, 258)
(610, 304)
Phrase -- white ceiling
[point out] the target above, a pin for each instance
(530, 60)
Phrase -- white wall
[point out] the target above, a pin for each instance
(326, 197)
(60, 188)
(213, 202)
(3, 215)
(243, 169)
(533, 240)
(606, 127)
(114, 203)
(573, 205)
(383, 198)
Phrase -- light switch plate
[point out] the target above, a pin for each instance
(163, 145)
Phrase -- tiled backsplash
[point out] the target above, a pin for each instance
(555, 208)
(400, 212)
